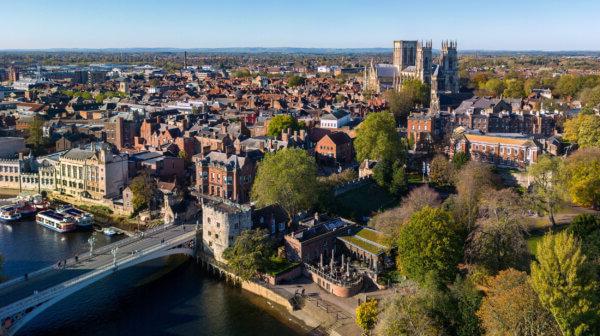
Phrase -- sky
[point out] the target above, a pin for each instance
(475, 24)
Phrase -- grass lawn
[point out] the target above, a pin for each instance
(279, 265)
(362, 202)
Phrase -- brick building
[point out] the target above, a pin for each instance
(227, 176)
(335, 147)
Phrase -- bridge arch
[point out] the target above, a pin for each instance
(85, 283)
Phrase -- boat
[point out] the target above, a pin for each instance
(82, 218)
(109, 231)
(39, 203)
(26, 210)
(55, 221)
(9, 214)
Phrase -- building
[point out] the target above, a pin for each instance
(227, 176)
(222, 222)
(503, 150)
(13, 74)
(335, 147)
(414, 60)
(120, 132)
(95, 173)
(335, 119)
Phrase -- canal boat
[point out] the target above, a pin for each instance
(9, 214)
(55, 221)
(82, 218)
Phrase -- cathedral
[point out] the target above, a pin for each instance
(414, 59)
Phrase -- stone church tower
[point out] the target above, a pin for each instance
(423, 62)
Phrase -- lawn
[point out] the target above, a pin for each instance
(363, 202)
(278, 265)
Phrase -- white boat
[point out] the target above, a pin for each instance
(109, 231)
(9, 214)
(82, 218)
(55, 221)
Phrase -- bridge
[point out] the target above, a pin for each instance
(23, 298)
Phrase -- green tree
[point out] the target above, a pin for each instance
(294, 81)
(512, 307)
(546, 192)
(514, 88)
(144, 191)
(417, 91)
(429, 244)
(493, 86)
(590, 96)
(584, 129)
(287, 177)
(471, 182)
(400, 104)
(566, 284)
(366, 315)
(459, 160)
(35, 135)
(378, 139)
(581, 177)
(391, 176)
(586, 228)
(249, 253)
(567, 86)
(467, 299)
(281, 123)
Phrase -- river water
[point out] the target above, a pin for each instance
(169, 296)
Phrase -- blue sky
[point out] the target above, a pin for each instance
(476, 24)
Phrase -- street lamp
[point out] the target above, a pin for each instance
(92, 241)
(114, 253)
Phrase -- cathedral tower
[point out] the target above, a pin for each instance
(423, 63)
(405, 54)
(449, 67)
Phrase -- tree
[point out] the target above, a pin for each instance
(584, 130)
(586, 228)
(493, 86)
(546, 185)
(391, 220)
(377, 138)
(391, 176)
(35, 135)
(282, 122)
(498, 240)
(366, 315)
(144, 191)
(467, 299)
(590, 96)
(567, 86)
(512, 307)
(514, 88)
(429, 245)
(581, 177)
(474, 178)
(287, 177)
(566, 285)
(406, 315)
(249, 253)
(294, 81)
(400, 104)
(440, 170)
(459, 160)
(417, 91)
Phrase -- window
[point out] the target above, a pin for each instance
(216, 236)
(218, 224)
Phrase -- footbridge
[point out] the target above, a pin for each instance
(24, 298)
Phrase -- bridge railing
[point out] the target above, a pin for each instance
(49, 293)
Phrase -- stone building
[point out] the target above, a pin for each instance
(414, 60)
(222, 222)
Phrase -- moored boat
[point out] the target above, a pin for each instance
(55, 221)
(9, 214)
(26, 210)
(109, 231)
(82, 218)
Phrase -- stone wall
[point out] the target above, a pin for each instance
(354, 184)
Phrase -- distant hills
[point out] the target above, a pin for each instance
(293, 50)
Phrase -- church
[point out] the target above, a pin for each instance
(414, 59)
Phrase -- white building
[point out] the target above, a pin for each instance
(222, 222)
(335, 119)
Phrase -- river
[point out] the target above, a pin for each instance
(169, 296)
